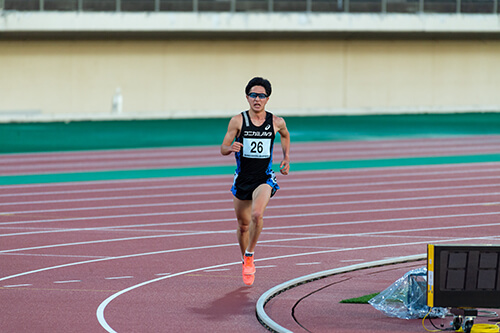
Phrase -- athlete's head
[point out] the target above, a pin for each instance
(259, 81)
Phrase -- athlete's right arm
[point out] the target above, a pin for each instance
(228, 146)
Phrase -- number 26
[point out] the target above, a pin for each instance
(257, 147)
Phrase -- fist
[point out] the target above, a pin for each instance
(236, 147)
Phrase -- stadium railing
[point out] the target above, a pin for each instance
(307, 6)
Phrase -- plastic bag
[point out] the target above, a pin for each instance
(407, 297)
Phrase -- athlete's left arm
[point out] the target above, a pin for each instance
(280, 126)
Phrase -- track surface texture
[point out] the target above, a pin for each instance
(159, 254)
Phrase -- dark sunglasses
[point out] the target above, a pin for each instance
(255, 95)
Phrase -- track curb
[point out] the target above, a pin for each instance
(272, 326)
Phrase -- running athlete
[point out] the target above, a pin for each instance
(250, 136)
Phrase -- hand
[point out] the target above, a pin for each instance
(236, 147)
(285, 167)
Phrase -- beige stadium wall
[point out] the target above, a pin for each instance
(54, 79)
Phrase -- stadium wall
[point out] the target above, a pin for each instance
(75, 76)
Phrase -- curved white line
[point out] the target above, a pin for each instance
(264, 298)
(102, 306)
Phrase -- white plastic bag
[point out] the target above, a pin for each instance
(406, 298)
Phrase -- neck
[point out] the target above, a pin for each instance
(257, 114)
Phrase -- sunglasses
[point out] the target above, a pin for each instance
(255, 95)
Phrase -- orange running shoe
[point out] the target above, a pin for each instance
(248, 279)
(248, 265)
(248, 270)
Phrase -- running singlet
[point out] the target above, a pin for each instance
(254, 160)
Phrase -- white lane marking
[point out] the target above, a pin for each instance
(144, 163)
(147, 163)
(337, 175)
(119, 277)
(93, 208)
(135, 164)
(361, 192)
(103, 305)
(463, 140)
(162, 274)
(116, 183)
(101, 199)
(400, 191)
(301, 176)
(116, 240)
(116, 189)
(274, 207)
(145, 153)
(308, 263)
(303, 247)
(115, 258)
(312, 196)
(352, 260)
(161, 214)
(324, 214)
(111, 153)
(323, 178)
(235, 244)
(17, 285)
(283, 227)
(50, 255)
(267, 266)
(388, 153)
(418, 181)
(67, 281)
(217, 270)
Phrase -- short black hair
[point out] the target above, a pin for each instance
(259, 81)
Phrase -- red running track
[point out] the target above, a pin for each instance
(160, 255)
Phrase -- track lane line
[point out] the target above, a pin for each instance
(264, 241)
(130, 197)
(300, 173)
(481, 204)
(308, 180)
(58, 230)
(138, 164)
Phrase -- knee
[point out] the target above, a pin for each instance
(242, 228)
(257, 216)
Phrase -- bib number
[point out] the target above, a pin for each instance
(256, 148)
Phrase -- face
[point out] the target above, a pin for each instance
(257, 104)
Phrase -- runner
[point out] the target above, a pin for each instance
(250, 135)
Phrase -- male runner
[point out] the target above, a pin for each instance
(250, 135)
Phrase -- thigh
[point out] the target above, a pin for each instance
(243, 210)
(261, 197)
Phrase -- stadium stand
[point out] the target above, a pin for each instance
(350, 6)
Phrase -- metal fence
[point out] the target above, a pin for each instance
(328, 6)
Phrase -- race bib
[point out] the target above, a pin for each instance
(257, 147)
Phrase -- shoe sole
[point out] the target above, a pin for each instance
(248, 275)
(248, 279)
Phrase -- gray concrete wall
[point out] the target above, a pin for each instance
(184, 76)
